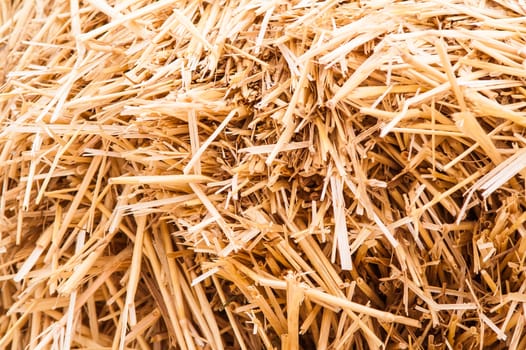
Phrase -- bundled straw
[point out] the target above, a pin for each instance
(249, 174)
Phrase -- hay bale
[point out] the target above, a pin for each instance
(262, 174)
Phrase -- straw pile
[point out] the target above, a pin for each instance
(245, 174)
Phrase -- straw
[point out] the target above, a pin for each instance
(247, 174)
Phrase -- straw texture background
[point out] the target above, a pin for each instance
(245, 174)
